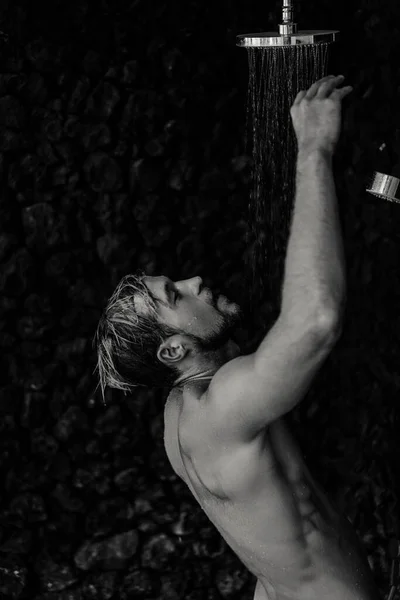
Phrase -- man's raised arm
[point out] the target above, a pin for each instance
(315, 262)
(251, 391)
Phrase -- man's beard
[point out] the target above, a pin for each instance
(222, 335)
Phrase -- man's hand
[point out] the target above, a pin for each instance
(316, 114)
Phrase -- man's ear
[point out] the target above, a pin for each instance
(173, 350)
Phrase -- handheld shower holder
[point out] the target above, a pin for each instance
(385, 186)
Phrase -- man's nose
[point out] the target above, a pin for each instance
(196, 284)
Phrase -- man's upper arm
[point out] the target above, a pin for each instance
(249, 392)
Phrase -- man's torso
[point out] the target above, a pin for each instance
(266, 505)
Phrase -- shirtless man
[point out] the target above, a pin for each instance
(225, 434)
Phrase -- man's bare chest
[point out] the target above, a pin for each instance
(268, 508)
(248, 500)
(198, 458)
(250, 475)
(203, 464)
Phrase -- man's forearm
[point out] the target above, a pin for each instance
(315, 270)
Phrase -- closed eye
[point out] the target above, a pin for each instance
(177, 296)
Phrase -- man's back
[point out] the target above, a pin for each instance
(266, 505)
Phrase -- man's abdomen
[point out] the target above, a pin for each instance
(338, 566)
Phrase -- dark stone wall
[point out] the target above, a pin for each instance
(122, 146)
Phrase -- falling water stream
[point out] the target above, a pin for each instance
(276, 75)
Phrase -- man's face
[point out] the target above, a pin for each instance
(192, 308)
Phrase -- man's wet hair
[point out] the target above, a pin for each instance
(127, 340)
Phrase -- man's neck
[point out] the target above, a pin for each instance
(206, 371)
(232, 350)
(186, 378)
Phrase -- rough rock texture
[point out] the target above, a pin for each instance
(122, 146)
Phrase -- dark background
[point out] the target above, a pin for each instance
(122, 146)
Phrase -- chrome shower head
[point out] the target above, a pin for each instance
(288, 34)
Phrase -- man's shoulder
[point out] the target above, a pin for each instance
(200, 428)
(225, 466)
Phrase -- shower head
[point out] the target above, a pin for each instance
(271, 39)
(288, 34)
(385, 186)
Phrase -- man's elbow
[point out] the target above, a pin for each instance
(324, 321)
(329, 323)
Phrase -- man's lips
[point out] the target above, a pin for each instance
(213, 299)
(208, 296)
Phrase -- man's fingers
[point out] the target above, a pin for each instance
(343, 92)
(327, 87)
(323, 88)
(315, 86)
(300, 96)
